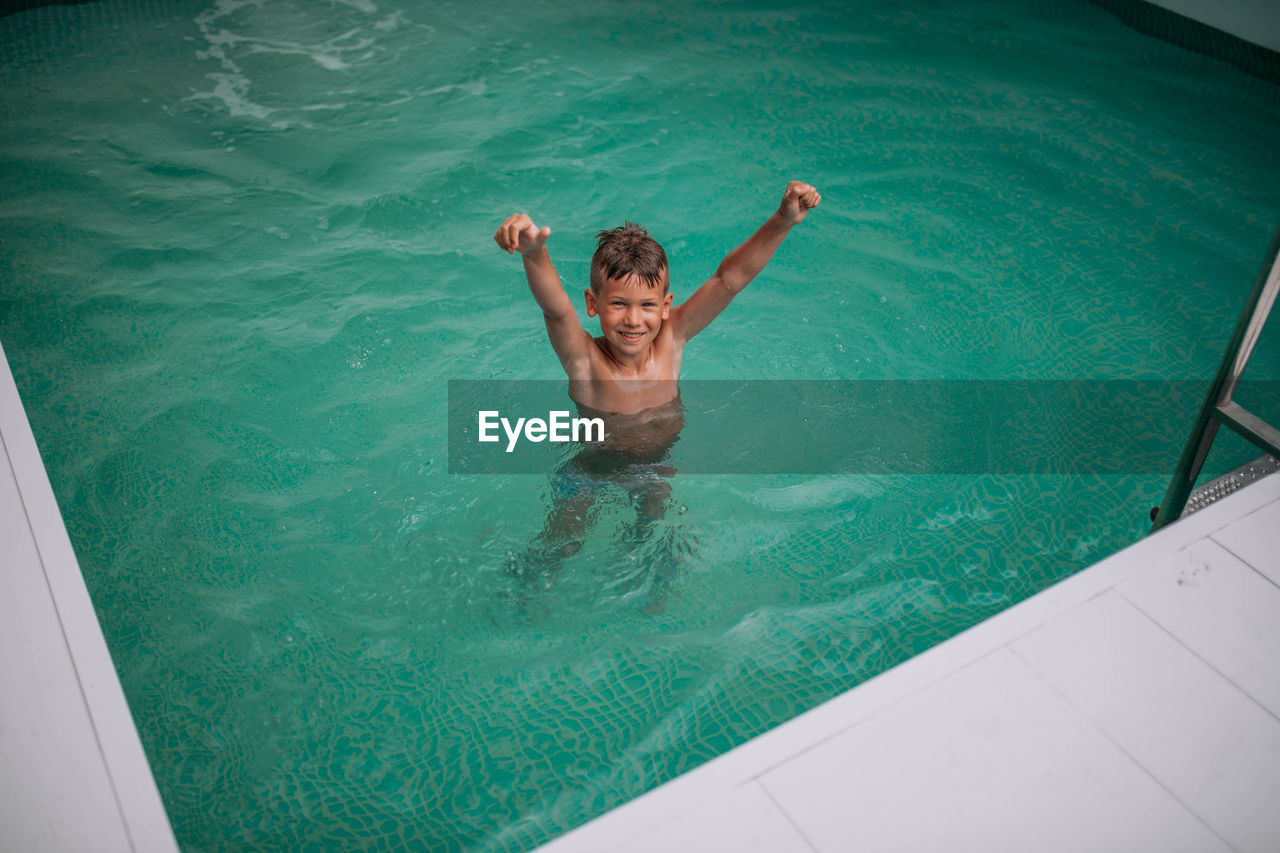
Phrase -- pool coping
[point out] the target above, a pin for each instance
(119, 749)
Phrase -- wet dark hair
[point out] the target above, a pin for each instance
(628, 251)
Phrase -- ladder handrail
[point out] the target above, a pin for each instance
(1218, 406)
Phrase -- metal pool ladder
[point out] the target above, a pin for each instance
(1218, 406)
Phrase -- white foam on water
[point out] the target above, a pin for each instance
(333, 63)
(225, 46)
(231, 89)
(365, 6)
(392, 22)
(473, 87)
(816, 493)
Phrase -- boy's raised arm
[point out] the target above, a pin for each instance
(517, 233)
(743, 264)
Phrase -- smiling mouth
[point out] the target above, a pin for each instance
(630, 337)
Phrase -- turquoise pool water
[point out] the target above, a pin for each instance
(244, 247)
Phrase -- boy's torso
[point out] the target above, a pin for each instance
(607, 384)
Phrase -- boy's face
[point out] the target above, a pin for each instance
(631, 312)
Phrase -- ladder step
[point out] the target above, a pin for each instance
(1229, 483)
(1250, 426)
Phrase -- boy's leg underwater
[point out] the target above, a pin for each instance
(560, 539)
(667, 545)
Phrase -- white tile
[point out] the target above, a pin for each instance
(988, 759)
(1256, 539)
(1213, 747)
(1222, 610)
(743, 820)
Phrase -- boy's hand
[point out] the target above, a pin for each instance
(799, 199)
(518, 233)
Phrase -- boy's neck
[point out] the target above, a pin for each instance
(633, 363)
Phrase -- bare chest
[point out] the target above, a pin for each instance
(619, 387)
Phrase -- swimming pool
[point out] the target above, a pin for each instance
(246, 245)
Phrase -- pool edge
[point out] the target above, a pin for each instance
(119, 749)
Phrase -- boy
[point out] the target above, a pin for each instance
(635, 362)
(629, 374)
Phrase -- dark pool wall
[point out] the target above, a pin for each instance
(1190, 34)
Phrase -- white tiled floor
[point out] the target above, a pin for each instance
(1133, 707)
(1220, 609)
(745, 820)
(994, 750)
(1256, 540)
(1185, 724)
